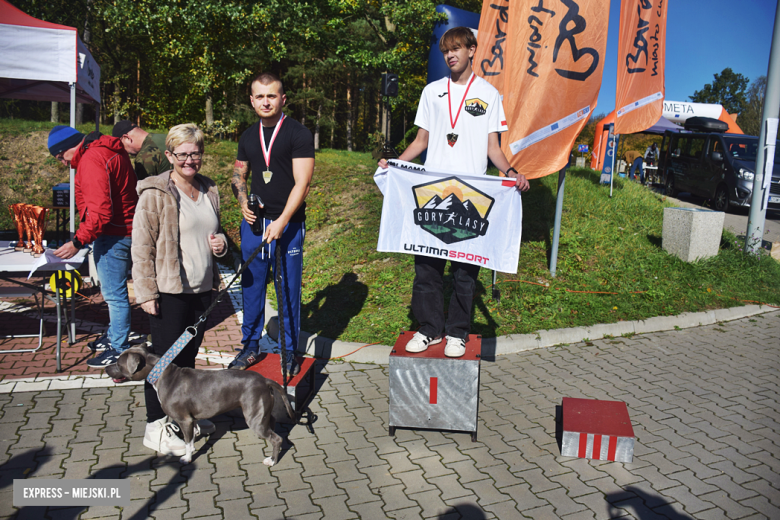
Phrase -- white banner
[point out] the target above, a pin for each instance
(469, 219)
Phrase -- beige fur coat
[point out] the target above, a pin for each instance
(155, 249)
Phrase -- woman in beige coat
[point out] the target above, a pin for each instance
(176, 237)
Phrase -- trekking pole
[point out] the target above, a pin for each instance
(280, 303)
(496, 292)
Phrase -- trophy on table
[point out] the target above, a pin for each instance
(28, 223)
(18, 220)
(39, 228)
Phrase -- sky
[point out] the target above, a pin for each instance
(703, 38)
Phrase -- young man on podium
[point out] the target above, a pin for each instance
(458, 141)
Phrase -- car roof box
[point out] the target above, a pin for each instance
(706, 124)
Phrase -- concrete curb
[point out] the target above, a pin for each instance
(63, 382)
(325, 348)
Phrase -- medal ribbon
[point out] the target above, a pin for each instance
(449, 100)
(267, 153)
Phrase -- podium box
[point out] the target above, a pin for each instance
(598, 430)
(431, 391)
(299, 388)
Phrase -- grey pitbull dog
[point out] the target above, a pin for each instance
(187, 395)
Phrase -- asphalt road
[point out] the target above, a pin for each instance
(736, 218)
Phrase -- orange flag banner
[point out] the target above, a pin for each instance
(552, 82)
(490, 61)
(639, 99)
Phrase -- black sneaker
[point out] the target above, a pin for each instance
(202, 428)
(245, 359)
(106, 358)
(135, 338)
(293, 368)
(102, 343)
(174, 429)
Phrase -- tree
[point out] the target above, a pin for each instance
(750, 119)
(728, 89)
(164, 62)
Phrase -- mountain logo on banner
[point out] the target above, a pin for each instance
(476, 107)
(452, 210)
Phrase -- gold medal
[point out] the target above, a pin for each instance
(267, 174)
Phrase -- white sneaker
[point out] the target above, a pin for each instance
(170, 442)
(456, 347)
(153, 434)
(204, 427)
(420, 342)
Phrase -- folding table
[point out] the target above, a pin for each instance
(17, 264)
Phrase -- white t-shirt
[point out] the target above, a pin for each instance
(480, 114)
(197, 220)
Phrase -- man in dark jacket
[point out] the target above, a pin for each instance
(106, 199)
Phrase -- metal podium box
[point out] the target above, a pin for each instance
(429, 390)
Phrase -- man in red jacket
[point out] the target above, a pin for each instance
(106, 198)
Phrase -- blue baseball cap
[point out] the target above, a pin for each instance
(63, 138)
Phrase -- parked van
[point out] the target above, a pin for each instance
(716, 166)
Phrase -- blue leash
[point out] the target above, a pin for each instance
(192, 330)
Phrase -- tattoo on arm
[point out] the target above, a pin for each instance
(238, 183)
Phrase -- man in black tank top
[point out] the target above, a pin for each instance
(279, 153)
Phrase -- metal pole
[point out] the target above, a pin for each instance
(612, 175)
(766, 141)
(59, 326)
(71, 325)
(558, 213)
(72, 171)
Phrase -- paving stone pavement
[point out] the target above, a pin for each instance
(703, 402)
(18, 316)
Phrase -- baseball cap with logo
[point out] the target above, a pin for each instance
(123, 127)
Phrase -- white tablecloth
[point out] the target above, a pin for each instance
(18, 261)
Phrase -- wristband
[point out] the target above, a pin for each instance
(76, 243)
(510, 169)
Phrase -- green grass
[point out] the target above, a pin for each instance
(607, 245)
(18, 127)
(611, 266)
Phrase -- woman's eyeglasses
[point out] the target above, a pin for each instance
(182, 157)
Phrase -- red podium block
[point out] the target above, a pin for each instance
(299, 388)
(432, 391)
(599, 430)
